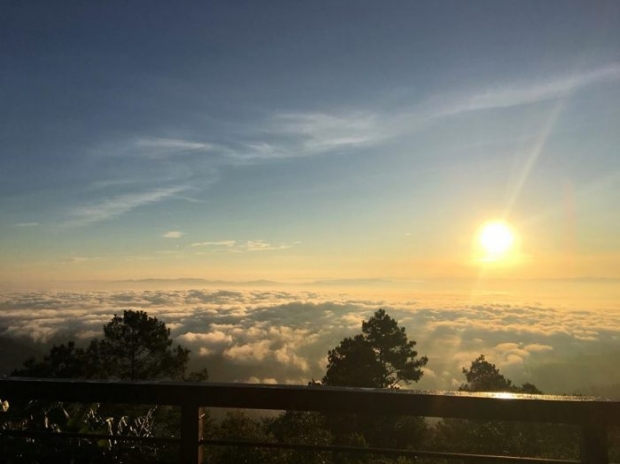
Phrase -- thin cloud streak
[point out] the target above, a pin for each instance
(173, 234)
(527, 93)
(299, 134)
(153, 148)
(324, 132)
(221, 243)
(116, 206)
(303, 134)
(260, 245)
(235, 246)
(170, 144)
(157, 148)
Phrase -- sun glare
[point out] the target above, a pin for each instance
(496, 240)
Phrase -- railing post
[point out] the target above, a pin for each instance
(594, 444)
(190, 451)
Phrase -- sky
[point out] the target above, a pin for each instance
(263, 176)
(307, 141)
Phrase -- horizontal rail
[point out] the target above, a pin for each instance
(577, 410)
(592, 415)
(390, 452)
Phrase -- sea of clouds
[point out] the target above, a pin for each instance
(283, 336)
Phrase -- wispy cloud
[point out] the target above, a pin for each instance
(75, 260)
(302, 134)
(170, 144)
(118, 205)
(296, 135)
(504, 96)
(323, 132)
(221, 243)
(260, 245)
(247, 246)
(173, 234)
(157, 148)
(27, 224)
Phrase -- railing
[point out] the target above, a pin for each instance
(592, 415)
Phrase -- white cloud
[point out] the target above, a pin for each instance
(173, 234)
(260, 245)
(301, 134)
(170, 144)
(512, 359)
(505, 96)
(212, 338)
(323, 132)
(537, 347)
(268, 380)
(297, 134)
(162, 148)
(287, 357)
(251, 352)
(111, 207)
(220, 243)
(241, 247)
(87, 334)
(76, 259)
(429, 373)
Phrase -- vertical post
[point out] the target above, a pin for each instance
(594, 444)
(190, 452)
(201, 422)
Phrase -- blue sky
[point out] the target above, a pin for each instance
(239, 140)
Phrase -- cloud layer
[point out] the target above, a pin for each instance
(282, 336)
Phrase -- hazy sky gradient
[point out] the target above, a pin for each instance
(321, 140)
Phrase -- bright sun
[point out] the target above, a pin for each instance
(496, 239)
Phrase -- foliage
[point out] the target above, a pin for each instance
(88, 419)
(380, 357)
(301, 427)
(239, 426)
(500, 437)
(482, 376)
(135, 346)
(63, 361)
(291, 427)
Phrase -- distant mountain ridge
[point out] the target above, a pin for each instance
(194, 281)
(255, 283)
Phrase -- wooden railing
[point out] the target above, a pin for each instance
(592, 415)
